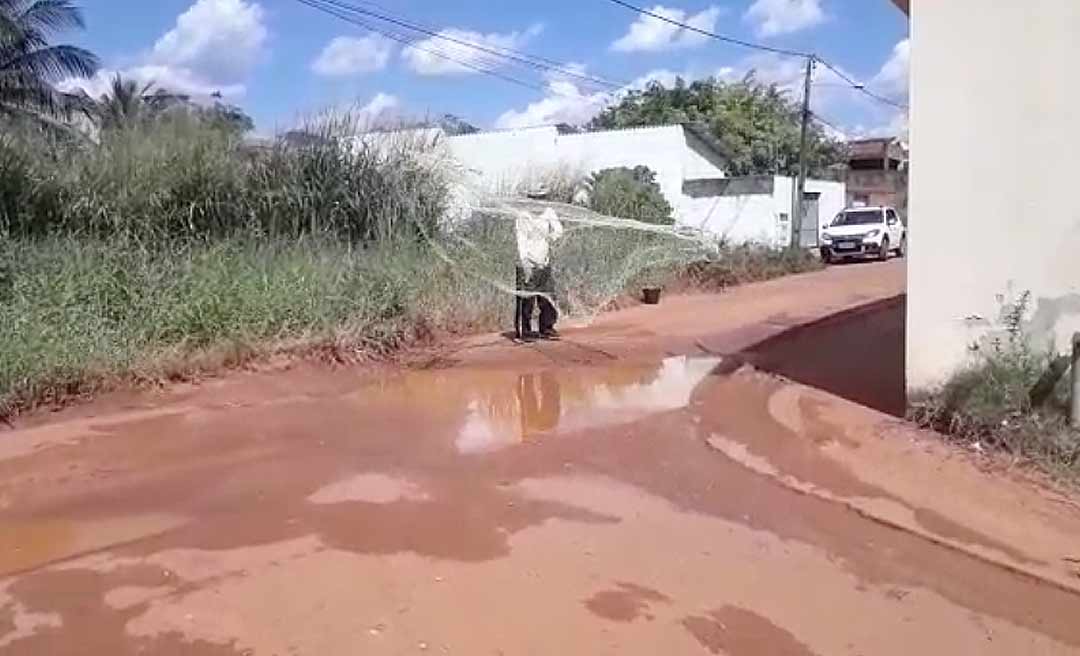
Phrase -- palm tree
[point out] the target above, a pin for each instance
(122, 105)
(127, 103)
(30, 66)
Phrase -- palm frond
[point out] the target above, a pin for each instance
(50, 16)
(30, 66)
(29, 93)
(55, 63)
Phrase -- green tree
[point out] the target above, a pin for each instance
(629, 194)
(758, 124)
(30, 66)
(227, 117)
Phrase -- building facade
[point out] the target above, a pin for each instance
(877, 173)
(992, 216)
(690, 168)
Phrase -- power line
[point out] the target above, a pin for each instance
(323, 6)
(711, 35)
(557, 65)
(859, 86)
(532, 61)
(320, 5)
(759, 46)
(821, 119)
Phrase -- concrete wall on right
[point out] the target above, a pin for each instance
(993, 209)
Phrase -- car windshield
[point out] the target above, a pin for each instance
(857, 217)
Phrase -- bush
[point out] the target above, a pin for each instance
(988, 404)
(737, 265)
(629, 194)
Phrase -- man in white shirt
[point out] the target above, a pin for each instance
(535, 285)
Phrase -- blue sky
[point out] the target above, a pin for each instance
(281, 60)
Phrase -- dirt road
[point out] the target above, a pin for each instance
(626, 491)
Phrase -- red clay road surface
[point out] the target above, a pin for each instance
(627, 491)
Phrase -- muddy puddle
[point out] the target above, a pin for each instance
(682, 470)
(506, 408)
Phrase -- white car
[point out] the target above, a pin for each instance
(859, 232)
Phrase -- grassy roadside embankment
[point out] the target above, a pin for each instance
(168, 251)
(1011, 401)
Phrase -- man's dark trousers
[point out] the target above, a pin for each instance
(539, 288)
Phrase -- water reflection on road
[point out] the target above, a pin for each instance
(503, 408)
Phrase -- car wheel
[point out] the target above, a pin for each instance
(902, 251)
(883, 255)
(826, 257)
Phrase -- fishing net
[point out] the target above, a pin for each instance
(597, 259)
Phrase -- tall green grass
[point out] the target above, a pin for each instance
(180, 179)
(80, 314)
(170, 248)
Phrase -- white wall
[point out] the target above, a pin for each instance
(744, 218)
(700, 160)
(506, 157)
(762, 218)
(832, 199)
(993, 207)
(662, 149)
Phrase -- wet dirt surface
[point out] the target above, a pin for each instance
(633, 505)
(733, 630)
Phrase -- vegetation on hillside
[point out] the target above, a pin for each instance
(758, 124)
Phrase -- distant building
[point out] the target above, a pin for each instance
(690, 166)
(877, 173)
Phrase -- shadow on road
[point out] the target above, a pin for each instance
(858, 355)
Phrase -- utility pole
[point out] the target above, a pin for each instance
(800, 184)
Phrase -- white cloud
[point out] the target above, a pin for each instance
(787, 73)
(381, 111)
(346, 55)
(649, 34)
(569, 71)
(381, 106)
(566, 102)
(175, 80)
(892, 80)
(773, 17)
(832, 96)
(213, 48)
(421, 57)
(218, 41)
(830, 91)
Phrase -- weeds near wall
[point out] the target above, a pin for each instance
(988, 406)
(737, 265)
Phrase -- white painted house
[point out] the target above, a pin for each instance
(992, 210)
(756, 209)
(690, 167)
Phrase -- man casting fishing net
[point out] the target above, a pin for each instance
(536, 233)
